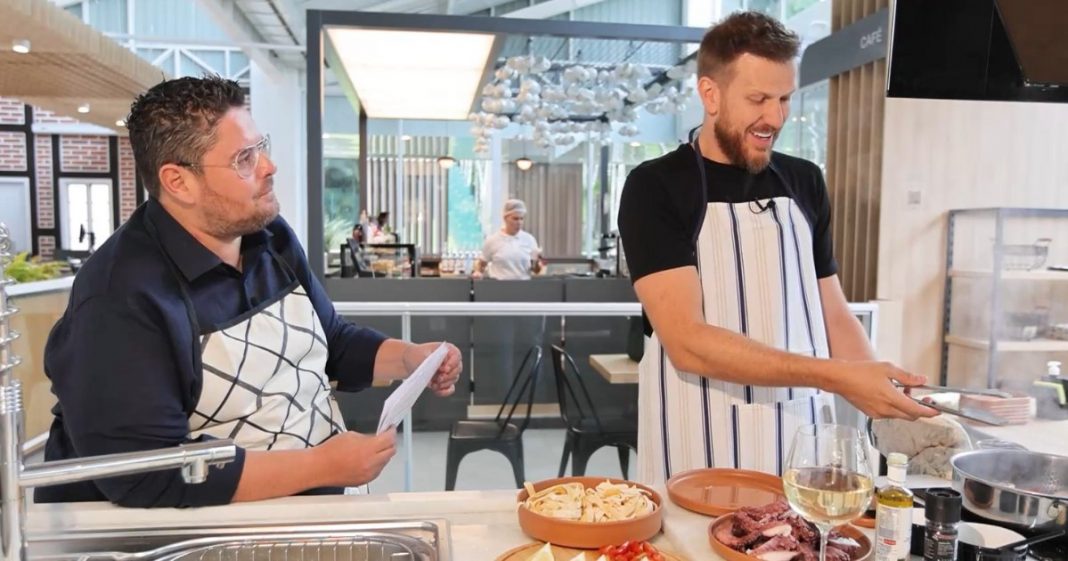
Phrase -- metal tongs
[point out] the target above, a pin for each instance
(968, 391)
(970, 414)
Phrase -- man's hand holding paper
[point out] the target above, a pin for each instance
(443, 383)
(433, 365)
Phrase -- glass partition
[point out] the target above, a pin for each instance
(548, 93)
(494, 345)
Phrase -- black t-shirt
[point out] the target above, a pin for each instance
(660, 205)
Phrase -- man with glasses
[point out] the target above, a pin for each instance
(200, 318)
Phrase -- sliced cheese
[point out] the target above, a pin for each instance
(543, 554)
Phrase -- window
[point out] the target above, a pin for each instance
(728, 7)
(86, 213)
(75, 9)
(15, 211)
(794, 7)
(770, 7)
(107, 16)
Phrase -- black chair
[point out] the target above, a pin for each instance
(500, 434)
(586, 431)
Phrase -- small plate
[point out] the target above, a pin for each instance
(717, 491)
(729, 554)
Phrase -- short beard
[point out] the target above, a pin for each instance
(732, 143)
(219, 223)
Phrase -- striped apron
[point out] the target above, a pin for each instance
(758, 279)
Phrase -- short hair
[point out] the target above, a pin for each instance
(745, 32)
(175, 121)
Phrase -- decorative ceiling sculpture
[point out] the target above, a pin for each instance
(559, 101)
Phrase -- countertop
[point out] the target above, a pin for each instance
(483, 524)
(38, 287)
(1047, 437)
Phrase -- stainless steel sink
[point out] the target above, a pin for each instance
(415, 540)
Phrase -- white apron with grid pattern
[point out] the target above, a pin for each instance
(264, 379)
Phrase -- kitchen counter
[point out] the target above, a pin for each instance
(483, 524)
(1043, 436)
(40, 287)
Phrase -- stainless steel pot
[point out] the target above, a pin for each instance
(1024, 490)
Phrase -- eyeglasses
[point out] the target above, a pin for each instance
(245, 162)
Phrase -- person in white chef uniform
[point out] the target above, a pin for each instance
(510, 253)
(748, 333)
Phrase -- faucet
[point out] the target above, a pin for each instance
(15, 478)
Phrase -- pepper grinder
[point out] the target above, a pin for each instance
(943, 514)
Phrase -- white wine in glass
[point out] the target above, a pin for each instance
(828, 478)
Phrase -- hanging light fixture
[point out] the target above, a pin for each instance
(561, 100)
(447, 161)
(524, 163)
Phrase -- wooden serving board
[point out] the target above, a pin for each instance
(524, 552)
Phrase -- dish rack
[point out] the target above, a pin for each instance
(1025, 257)
(1025, 326)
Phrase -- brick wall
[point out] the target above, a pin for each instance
(46, 116)
(83, 153)
(45, 182)
(12, 111)
(127, 180)
(12, 151)
(79, 154)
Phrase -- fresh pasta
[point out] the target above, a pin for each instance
(606, 502)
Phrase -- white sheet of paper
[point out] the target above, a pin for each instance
(403, 398)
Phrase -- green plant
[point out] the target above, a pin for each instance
(337, 231)
(25, 269)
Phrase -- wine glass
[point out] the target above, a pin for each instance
(828, 478)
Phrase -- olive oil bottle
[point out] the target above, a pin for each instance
(893, 513)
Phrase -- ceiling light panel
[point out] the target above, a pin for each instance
(412, 74)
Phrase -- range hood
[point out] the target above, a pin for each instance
(1004, 50)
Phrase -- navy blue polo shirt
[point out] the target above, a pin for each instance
(124, 360)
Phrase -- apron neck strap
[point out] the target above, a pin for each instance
(702, 188)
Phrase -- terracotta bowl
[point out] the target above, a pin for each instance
(734, 555)
(588, 535)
